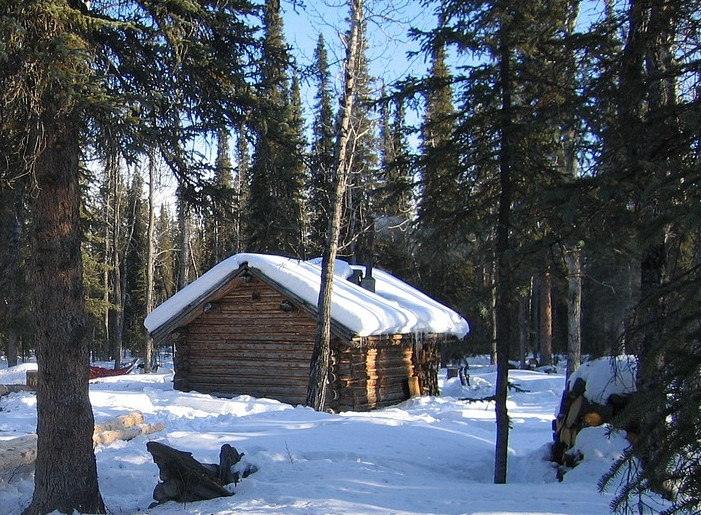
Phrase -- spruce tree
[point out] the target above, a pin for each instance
(321, 157)
(395, 208)
(487, 199)
(440, 253)
(274, 217)
(165, 256)
(74, 74)
(361, 196)
(219, 225)
(652, 156)
(134, 268)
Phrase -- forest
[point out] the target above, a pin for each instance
(542, 178)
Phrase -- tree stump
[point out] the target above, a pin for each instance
(184, 479)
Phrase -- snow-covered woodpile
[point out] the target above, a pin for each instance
(594, 394)
(248, 327)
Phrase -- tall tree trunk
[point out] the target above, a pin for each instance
(502, 246)
(319, 367)
(15, 273)
(573, 252)
(66, 472)
(523, 302)
(106, 341)
(573, 260)
(546, 319)
(183, 242)
(150, 259)
(493, 313)
(116, 321)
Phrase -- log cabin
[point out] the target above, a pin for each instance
(248, 326)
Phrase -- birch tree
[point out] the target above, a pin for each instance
(321, 355)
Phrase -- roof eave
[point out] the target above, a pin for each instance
(186, 312)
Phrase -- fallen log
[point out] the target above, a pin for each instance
(121, 422)
(6, 389)
(17, 455)
(126, 434)
(184, 479)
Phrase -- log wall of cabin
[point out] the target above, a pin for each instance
(372, 373)
(248, 343)
(251, 340)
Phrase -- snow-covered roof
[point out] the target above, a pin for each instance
(394, 308)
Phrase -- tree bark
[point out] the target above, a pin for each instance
(523, 329)
(150, 260)
(546, 319)
(15, 273)
(319, 366)
(66, 472)
(183, 241)
(502, 246)
(573, 260)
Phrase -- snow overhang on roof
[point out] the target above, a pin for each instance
(394, 308)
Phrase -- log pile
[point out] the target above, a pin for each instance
(17, 456)
(125, 427)
(6, 389)
(184, 479)
(577, 412)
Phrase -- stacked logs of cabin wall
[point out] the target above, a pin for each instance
(229, 349)
(371, 377)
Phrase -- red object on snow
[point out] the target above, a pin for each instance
(96, 372)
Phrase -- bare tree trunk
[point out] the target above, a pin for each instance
(183, 243)
(150, 259)
(546, 319)
(319, 367)
(523, 302)
(574, 308)
(493, 313)
(502, 246)
(107, 347)
(14, 273)
(66, 472)
(115, 322)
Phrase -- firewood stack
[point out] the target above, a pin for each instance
(577, 412)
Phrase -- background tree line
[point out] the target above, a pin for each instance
(547, 189)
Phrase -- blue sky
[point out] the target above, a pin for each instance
(388, 26)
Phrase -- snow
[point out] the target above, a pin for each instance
(607, 376)
(395, 307)
(427, 455)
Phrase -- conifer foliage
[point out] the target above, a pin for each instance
(555, 158)
(275, 216)
(73, 74)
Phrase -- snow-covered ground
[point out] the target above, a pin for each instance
(428, 455)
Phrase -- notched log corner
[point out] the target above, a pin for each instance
(184, 479)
